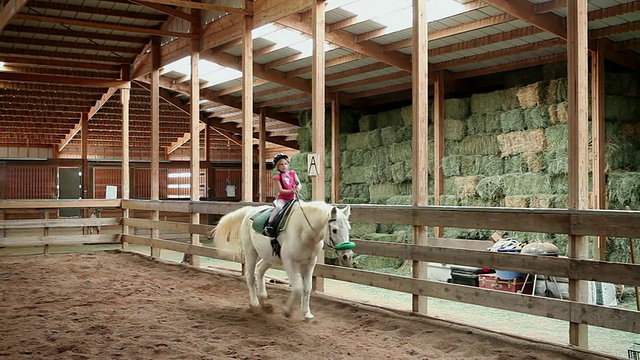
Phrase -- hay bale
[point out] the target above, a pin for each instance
(393, 134)
(451, 165)
(526, 184)
(490, 188)
(557, 137)
(530, 95)
(400, 200)
(486, 103)
(406, 115)
(621, 108)
(536, 117)
(359, 229)
(457, 109)
(558, 113)
(557, 91)
(466, 186)
(368, 123)
(354, 190)
(484, 123)
(554, 70)
(373, 138)
(390, 118)
(479, 145)
(489, 165)
(449, 200)
(540, 201)
(349, 120)
(480, 203)
(454, 129)
(380, 193)
(521, 141)
(515, 164)
(450, 186)
(357, 141)
(556, 161)
(400, 151)
(354, 174)
(533, 161)
(305, 118)
(401, 171)
(468, 165)
(624, 190)
(559, 184)
(304, 139)
(510, 99)
(512, 120)
(516, 201)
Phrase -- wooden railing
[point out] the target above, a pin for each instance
(451, 251)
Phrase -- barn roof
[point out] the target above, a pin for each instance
(64, 58)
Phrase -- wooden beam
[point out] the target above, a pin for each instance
(420, 136)
(200, 5)
(105, 26)
(526, 11)
(182, 140)
(168, 10)
(57, 63)
(578, 100)
(598, 141)
(65, 80)
(9, 11)
(247, 108)
(335, 149)
(438, 142)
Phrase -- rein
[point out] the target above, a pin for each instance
(330, 246)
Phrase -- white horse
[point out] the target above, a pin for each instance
(310, 226)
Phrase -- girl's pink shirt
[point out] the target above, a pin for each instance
(288, 182)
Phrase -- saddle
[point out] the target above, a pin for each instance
(261, 219)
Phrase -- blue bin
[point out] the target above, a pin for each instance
(506, 274)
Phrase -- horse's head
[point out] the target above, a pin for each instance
(338, 237)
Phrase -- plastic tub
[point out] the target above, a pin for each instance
(506, 274)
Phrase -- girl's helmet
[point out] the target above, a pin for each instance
(279, 157)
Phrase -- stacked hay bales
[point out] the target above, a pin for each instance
(507, 148)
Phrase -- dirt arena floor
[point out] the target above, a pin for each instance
(113, 305)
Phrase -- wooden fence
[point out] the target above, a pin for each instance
(451, 251)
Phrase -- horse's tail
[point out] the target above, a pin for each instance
(226, 235)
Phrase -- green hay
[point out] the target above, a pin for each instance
(488, 123)
(559, 201)
(536, 117)
(622, 108)
(556, 161)
(357, 141)
(304, 139)
(478, 202)
(515, 164)
(350, 158)
(454, 129)
(349, 119)
(521, 141)
(451, 165)
(486, 103)
(354, 190)
(380, 193)
(491, 188)
(624, 190)
(468, 165)
(540, 201)
(451, 147)
(526, 184)
(458, 109)
(368, 123)
(305, 118)
(400, 200)
(557, 137)
(449, 200)
(347, 200)
(559, 184)
(621, 152)
(557, 91)
(558, 113)
(373, 139)
(342, 142)
(510, 99)
(489, 165)
(354, 174)
(512, 120)
(393, 134)
(390, 118)
(370, 262)
(479, 145)
(401, 172)
(406, 114)
(618, 250)
(400, 152)
(554, 70)
(622, 84)
(450, 186)
(466, 186)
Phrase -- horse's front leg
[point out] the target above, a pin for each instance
(307, 273)
(296, 286)
(261, 268)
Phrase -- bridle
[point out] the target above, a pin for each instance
(331, 245)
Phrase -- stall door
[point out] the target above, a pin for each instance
(70, 187)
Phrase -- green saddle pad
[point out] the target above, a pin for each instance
(260, 219)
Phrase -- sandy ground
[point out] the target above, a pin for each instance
(111, 305)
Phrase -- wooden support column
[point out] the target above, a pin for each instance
(438, 142)
(194, 112)
(125, 171)
(262, 151)
(317, 112)
(207, 156)
(578, 100)
(335, 149)
(247, 107)
(420, 135)
(598, 137)
(155, 135)
(84, 124)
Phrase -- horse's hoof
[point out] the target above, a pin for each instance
(308, 316)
